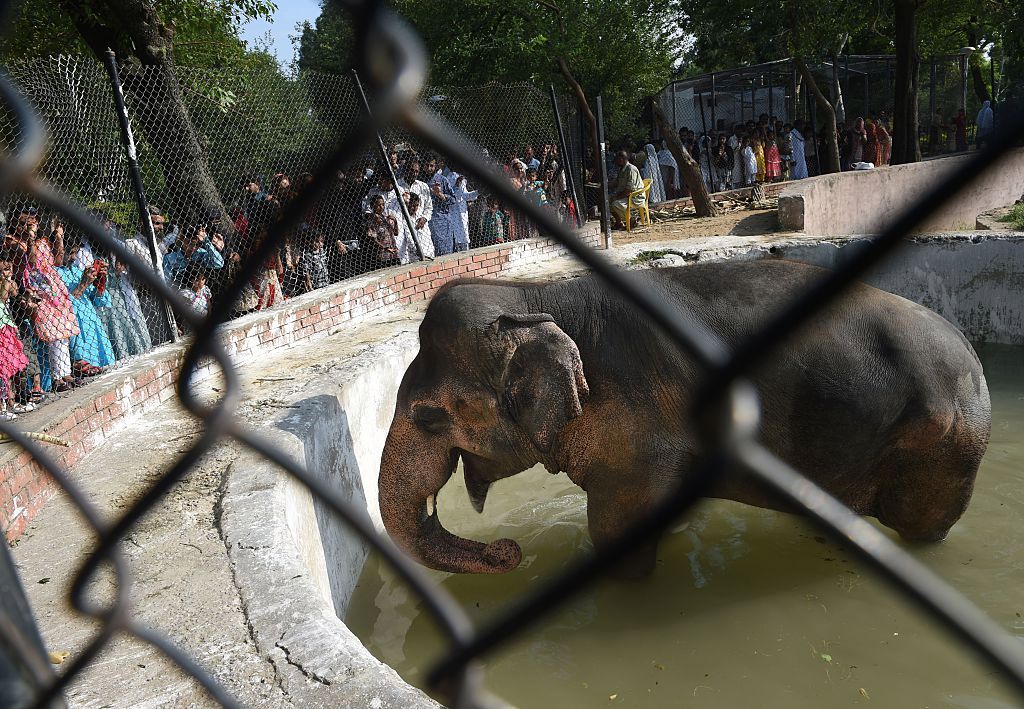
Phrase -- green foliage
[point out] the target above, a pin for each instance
(1015, 216)
(621, 49)
(205, 31)
(123, 214)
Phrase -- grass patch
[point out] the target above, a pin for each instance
(1015, 216)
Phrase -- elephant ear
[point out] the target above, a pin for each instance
(542, 384)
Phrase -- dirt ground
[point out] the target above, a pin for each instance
(744, 222)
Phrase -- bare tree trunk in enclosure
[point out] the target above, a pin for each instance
(906, 147)
(826, 119)
(688, 168)
(581, 99)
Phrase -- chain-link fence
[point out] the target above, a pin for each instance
(221, 154)
(726, 409)
(764, 102)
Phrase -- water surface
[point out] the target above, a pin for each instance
(747, 607)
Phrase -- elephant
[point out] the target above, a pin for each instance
(878, 400)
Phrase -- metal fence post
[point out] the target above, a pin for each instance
(707, 144)
(137, 187)
(714, 123)
(391, 173)
(24, 665)
(566, 157)
(606, 207)
(771, 97)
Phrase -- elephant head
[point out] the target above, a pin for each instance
(493, 384)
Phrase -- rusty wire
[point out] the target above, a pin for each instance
(393, 61)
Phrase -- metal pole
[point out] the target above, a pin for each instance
(566, 157)
(606, 211)
(771, 94)
(931, 104)
(675, 120)
(867, 93)
(24, 666)
(391, 173)
(137, 187)
(714, 123)
(963, 83)
(707, 145)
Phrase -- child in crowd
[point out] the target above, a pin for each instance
(534, 189)
(313, 268)
(749, 161)
(758, 146)
(772, 160)
(198, 293)
(407, 250)
(495, 223)
(12, 356)
(381, 235)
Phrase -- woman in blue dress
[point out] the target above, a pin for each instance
(91, 350)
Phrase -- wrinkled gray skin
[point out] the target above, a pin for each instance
(880, 401)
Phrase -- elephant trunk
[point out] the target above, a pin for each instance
(412, 472)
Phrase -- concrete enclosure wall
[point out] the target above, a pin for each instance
(977, 286)
(865, 201)
(87, 416)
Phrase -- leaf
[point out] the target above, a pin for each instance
(826, 658)
(45, 579)
(59, 657)
(864, 693)
(612, 697)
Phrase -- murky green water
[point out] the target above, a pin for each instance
(747, 608)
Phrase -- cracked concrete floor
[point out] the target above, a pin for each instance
(181, 577)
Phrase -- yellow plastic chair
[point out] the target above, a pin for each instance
(642, 210)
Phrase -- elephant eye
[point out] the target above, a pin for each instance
(431, 419)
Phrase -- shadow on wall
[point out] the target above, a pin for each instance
(324, 431)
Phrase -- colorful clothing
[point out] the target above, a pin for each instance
(759, 157)
(772, 163)
(494, 227)
(12, 356)
(124, 319)
(92, 344)
(54, 319)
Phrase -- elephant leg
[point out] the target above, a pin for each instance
(607, 518)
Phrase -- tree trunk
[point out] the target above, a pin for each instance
(837, 88)
(906, 147)
(977, 79)
(581, 98)
(132, 29)
(826, 119)
(688, 168)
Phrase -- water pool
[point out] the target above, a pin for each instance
(747, 607)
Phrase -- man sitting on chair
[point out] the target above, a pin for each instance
(627, 182)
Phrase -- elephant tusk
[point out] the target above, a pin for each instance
(430, 506)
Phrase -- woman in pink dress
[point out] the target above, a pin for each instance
(772, 160)
(53, 322)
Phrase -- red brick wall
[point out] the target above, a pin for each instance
(88, 415)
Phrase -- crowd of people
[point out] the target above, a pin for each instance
(69, 309)
(768, 150)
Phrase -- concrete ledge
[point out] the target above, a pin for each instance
(89, 415)
(865, 201)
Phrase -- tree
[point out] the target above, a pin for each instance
(688, 168)
(905, 145)
(622, 50)
(145, 39)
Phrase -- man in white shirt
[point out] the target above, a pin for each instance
(386, 190)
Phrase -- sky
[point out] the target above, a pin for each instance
(289, 12)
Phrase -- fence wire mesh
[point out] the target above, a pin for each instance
(221, 155)
(51, 203)
(763, 104)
